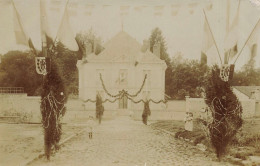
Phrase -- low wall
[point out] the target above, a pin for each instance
(194, 105)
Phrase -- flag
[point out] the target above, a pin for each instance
(45, 32)
(253, 50)
(230, 54)
(65, 34)
(203, 59)
(231, 37)
(20, 35)
(255, 35)
(253, 39)
(207, 40)
(82, 50)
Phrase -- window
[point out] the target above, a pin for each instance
(123, 77)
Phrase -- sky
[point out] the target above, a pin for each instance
(181, 22)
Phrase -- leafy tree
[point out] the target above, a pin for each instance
(248, 76)
(17, 69)
(188, 78)
(66, 61)
(156, 36)
(90, 37)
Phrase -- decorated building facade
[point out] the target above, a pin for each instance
(127, 65)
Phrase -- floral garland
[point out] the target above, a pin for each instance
(123, 93)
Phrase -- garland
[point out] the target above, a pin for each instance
(123, 93)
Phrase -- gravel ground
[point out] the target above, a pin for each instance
(19, 141)
(123, 142)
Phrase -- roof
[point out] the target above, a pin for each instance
(124, 48)
(247, 90)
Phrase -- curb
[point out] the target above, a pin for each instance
(37, 156)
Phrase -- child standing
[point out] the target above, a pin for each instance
(188, 121)
(90, 124)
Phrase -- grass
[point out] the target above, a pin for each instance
(246, 142)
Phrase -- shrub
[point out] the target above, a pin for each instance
(53, 99)
(146, 112)
(226, 112)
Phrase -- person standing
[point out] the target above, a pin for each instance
(90, 124)
(188, 121)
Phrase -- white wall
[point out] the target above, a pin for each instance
(196, 104)
(89, 82)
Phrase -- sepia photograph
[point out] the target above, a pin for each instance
(129, 82)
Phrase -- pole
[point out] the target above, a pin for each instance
(212, 37)
(247, 40)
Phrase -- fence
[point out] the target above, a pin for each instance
(11, 90)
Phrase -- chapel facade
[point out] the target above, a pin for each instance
(123, 64)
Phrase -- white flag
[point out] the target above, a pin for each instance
(255, 35)
(20, 36)
(65, 33)
(207, 40)
(232, 31)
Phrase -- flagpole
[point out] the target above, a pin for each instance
(212, 37)
(247, 40)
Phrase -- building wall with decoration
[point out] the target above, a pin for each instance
(123, 64)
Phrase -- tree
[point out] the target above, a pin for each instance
(66, 61)
(226, 112)
(17, 69)
(90, 37)
(157, 37)
(248, 76)
(188, 78)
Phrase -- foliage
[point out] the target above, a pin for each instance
(99, 108)
(66, 61)
(226, 112)
(53, 98)
(188, 78)
(146, 112)
(90, 37)
(248, 76)
(17, 69)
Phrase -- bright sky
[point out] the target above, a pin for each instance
(181, 22)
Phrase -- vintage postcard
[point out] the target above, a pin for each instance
(129, 82)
